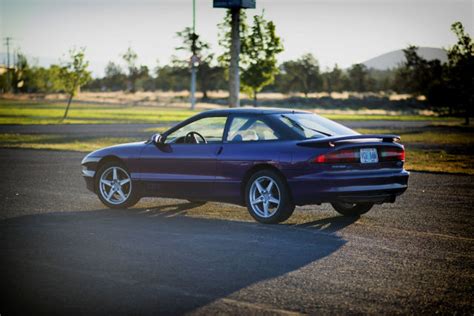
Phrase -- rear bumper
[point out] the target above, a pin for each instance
(349, 186)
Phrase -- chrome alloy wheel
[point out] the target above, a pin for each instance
(115, 185)
(264, 196)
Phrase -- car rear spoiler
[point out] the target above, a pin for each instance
(332, 140)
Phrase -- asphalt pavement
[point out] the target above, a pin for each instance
(62, 252)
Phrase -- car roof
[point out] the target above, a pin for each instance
(255, 111)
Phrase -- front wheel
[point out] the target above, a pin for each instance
(352, 209)
(268, 198)
(114, 186)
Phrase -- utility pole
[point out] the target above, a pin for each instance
(234, 76)
(7, 43)
(8, 40)
(194, 60)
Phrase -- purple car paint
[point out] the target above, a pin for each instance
(312, 160)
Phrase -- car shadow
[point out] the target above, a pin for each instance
(147, 262)
(167, 210)
(328, 225)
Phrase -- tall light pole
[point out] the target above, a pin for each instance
(194, 60)
(234, 76)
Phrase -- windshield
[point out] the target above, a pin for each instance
(309, 125)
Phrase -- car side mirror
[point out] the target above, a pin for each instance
(157, 139)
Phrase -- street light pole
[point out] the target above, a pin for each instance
(193, 61)
(234, 77)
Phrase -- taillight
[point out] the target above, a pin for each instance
(392, 154)
(340, 156)
(353, 155)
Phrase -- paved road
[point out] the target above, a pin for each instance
(62, 252)
(139, 130)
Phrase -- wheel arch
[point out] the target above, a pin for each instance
(256, 168)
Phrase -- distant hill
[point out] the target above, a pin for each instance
(396, 57)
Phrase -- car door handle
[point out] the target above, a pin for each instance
(219, 150)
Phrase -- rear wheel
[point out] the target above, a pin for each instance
(114, 186)
(352, 209)
(267, 197)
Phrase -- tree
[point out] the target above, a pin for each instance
(302, 75)
(359, 78)
(114, 79)
(20, 73)
(333, 80)
(258, 49)
(44, 80)
(74, 74)
(419, 76)
(174, 76)
(206, 71)
(191, 42)
(414, 75)
(259, 57)
(130, 58)
(209, 76)
(461, 71)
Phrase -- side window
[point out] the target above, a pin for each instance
(247, 129)
(211, 128)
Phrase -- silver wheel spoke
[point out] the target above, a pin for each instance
(270, 186)
(265, 208)
(257, 200)
(120, 192)
(106, 182)
(114, 170)
(259, 187)
(122, 182)
(273, 200)
(111, 192)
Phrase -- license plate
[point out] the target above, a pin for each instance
(368, 155)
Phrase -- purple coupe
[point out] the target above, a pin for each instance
(266, 159)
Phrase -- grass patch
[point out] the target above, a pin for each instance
(58, 142)
(35, 112)
(439, 161)
(459, 136)
(161, 129)
(24, 113)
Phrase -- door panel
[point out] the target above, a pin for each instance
(180, 170)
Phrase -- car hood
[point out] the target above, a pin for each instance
(123, 151)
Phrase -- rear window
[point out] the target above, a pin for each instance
(309, 125)
(246, 129)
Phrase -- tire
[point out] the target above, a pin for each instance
(352, 209)
(267, 210)
(107, 180)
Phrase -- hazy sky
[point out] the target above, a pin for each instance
(335, 31)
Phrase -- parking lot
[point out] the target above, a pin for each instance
(63, 252)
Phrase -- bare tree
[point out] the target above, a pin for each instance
(74, 74)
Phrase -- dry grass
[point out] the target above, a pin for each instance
(40, 112)
(59, 142)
